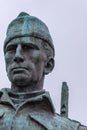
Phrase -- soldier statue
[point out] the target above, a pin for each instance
(29, 56)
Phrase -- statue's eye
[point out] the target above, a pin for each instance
(29, 47)
(26, 47)
(10, 48)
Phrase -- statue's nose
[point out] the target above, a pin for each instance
(18, 54)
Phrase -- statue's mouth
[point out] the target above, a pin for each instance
(19, 70)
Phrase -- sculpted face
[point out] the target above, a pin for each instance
(25, 60)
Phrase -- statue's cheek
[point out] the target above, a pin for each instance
(8, 58)
(1, 118)
(35, 56)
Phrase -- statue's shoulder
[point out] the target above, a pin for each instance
(82, 127)
(4, 91)
(69, 124)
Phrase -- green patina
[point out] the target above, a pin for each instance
(29, 56)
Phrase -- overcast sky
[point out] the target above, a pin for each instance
(67, 22)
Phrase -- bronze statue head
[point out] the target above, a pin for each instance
(29, 52)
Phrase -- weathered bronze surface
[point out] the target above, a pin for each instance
(64, 100)
(29, 56)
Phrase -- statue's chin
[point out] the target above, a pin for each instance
(20, 80)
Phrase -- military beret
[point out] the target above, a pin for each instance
(26, 25)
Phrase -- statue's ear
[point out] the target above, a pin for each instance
(49, 66)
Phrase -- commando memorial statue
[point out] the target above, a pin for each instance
(29, 56)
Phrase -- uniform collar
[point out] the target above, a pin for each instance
(44, 96)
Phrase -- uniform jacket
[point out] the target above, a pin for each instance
(35, 113)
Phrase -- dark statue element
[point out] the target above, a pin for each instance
(29, 56)
(64, 100)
